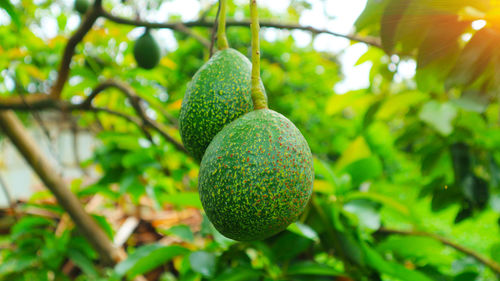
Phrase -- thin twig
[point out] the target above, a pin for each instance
(184, 29)
(69, 50)
(479, 257)
(214, 30)
(372, 41)
(142, 122)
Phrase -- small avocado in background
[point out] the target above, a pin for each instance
(81, 6)
(147, 51)
(218, 94)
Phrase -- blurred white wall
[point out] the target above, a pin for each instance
(18, 176)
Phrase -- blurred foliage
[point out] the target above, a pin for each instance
(413, 154)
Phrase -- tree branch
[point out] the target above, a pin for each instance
(45, 102)
(27, 146)
(69, 50)
(372, 41)
(184, 29)
(6, 190)
(135, 101)
(213, 35)
(479, 257)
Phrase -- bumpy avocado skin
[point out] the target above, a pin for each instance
(146, 51)
(256, 176)
(81, 6)
(218, 94)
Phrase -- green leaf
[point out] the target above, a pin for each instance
(27, 224)
(461, 161)
(495, 202)
(439, 115)
(11, 11)
(466, 276)
(379, 198)
(83, 262)
(391, 18)
(399, 104)
(303, 230)
(441, 39)
(474, 58)
(472, 101)
(209, 228)
(239, 274)
(476, 190)
(312, 268)
(495, 252)
(203, 262)
(16, 265)
(184, 199)
(147, 258)
(181, 231)
(351, 248)
(420, 249)
(364, 169)
(288, 245)
(368, 21)
(366, 212)
(139, 159)
(377, 262)
(103, 223)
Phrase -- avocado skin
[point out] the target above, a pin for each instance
(218, 94)
(81, 6)
(146, 51)
(256, 176)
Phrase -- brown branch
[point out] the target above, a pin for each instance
(135, 101)
(479, 257)
(13, 102)
(213, 35)
(6, 190)
(372, 41)
(143, 122)
(69, 50)
(184, 29)
(14, 129)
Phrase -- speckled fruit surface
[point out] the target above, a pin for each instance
(256, 176)
(146, 51)
(218, 94)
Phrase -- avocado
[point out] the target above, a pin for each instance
(146, 51)
(218, 94)
(81, 6)
(256, 176)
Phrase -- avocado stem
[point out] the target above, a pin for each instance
(258, 97)
(221, 28)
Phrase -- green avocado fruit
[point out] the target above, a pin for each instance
(81, 6)
(218, 94)
(256, 176)
(146, 51)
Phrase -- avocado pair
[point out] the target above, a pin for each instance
(256, 170)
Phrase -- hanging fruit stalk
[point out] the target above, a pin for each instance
(258, 97)
(256, 175)
(222, 43)
(219, 93)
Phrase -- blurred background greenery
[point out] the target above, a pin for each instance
(402, 120)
